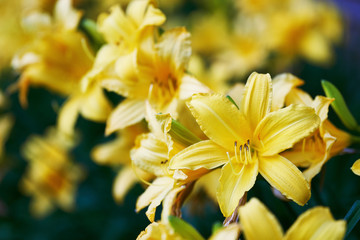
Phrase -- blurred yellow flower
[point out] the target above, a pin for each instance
(162, 230)
(303, 29)
(51, 178)
(316, 223)
(248, 140)
(356, 167)
(48, 60)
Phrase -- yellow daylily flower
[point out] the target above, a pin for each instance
(248, 140)
(159, 78)
(48, 60)
(316, 223)
(151, 153)
(314, 151)
(51, 178)
(162, 230)
(125, 33)
(356, 167)
(159, 231)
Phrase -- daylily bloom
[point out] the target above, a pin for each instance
(158, 77)
(315, 150)
(175, 228)
(51, 178)
(316, 223)
(48, 60)
(356, 167)
(248, 140)
(151, 153)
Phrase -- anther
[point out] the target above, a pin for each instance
(248, 142)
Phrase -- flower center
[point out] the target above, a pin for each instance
(243, 156)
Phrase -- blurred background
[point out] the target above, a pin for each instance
(96, 215)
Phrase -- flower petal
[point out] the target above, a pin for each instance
(95, 106)
(343, 139)
(154, 195)
(68, 115)
(150, 154)
(128, 112)
(174, 50)
(256, 101)
(124, 181)
(356, 167)
(230, 232)
(254, 214)
(316, 166)
(298, 96)
(233, 186)
(204, 154)
(321, 105)
(285, 177)
(282, 85)
(190, 85)
(316, 223)
(219, 119)
(281, 129)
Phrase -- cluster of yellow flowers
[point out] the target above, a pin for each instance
(180, 126)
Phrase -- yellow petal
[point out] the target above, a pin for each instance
(356, 167)
(190, 85)
(115, 26)
(282, 85)
(68, 115)
(204, 154)
(315, 47)
(67, 15)
(150, 154)
(169, 203)
(258, 222)
(219, 119)
(174, 49)
(153, 17)
(124, 181)
(154, 195)
(127, 113)
(343, 139)
(95, 106)
(298, 96)
(281, 129)
(256, 101)
(285, 177)
(321, 105)
(108, 153)
(233, 185)
(236, 93)
(316, 166)
(230, 232)
(316, 223)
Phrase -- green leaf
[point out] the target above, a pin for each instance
(89, 27)
(232, 100)
(181, 134)
(184, 229)
(216, 226)
(352, 217)
(339, 105)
